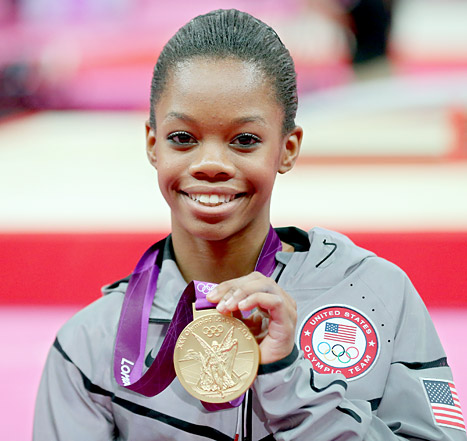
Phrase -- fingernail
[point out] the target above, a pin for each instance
(212, 294)
(221, 305)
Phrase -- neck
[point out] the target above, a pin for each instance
(217, 260)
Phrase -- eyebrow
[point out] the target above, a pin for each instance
(252, 118)
(238, 121)
(177, 115)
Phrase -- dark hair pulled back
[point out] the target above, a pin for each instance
(235, 34)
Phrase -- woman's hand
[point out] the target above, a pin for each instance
(274, 319)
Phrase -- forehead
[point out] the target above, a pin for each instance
(218, 89)
(222, 73)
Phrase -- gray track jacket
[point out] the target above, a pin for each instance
(368, 364)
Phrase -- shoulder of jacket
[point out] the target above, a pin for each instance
(101, 313)
(331, 257)
(117, 286)
(87, 338)
(352, 256)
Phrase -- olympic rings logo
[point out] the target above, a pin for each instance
(212, 331)
(205, 288)
(338, 351)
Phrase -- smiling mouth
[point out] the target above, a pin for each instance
(213, 200)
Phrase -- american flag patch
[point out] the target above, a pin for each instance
(340, 333)
(444, 402)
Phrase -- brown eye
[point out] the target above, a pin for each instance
(246, 140)
(181, 138)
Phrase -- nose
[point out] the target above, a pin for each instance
(212, 162)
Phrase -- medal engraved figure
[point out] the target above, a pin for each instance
(217, 374)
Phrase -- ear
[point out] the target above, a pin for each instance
(151, 144)
(291, 149)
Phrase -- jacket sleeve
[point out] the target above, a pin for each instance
(66, 407)
(301, 404)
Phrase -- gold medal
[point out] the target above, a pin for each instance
(216, 357)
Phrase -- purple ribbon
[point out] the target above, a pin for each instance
(132, 330)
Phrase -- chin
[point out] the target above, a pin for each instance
(212, 231)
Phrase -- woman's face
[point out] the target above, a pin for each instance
(218, 146)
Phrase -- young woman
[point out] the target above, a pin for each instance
(347, 348)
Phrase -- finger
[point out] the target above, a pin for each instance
(278, 340)
(230, 286)
(258, 325)
(281, 309)
(266, 301)
(237, 296)
(244, 286)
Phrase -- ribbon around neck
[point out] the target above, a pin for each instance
(130, 343)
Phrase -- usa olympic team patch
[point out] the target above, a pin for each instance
(339, 339)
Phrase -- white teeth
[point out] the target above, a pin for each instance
(214, 199)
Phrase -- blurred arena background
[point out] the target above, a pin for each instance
(383, 101)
